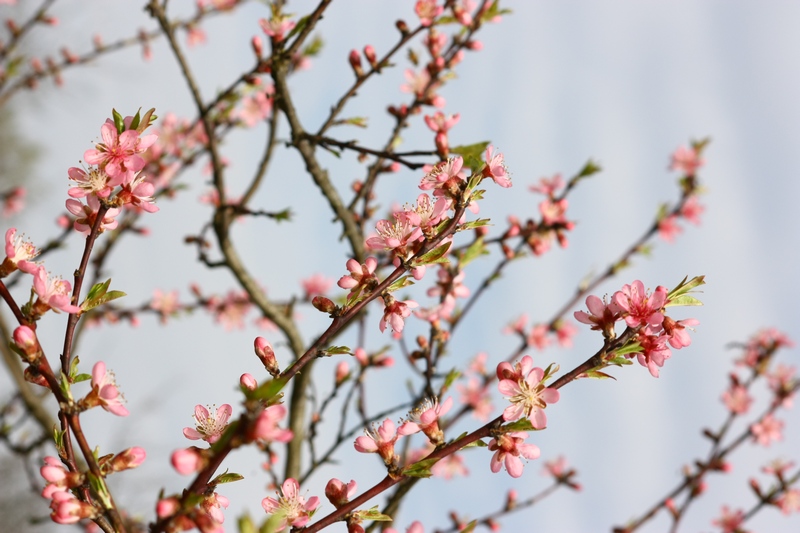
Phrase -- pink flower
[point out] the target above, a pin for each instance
(138, 194)
(187, 461)
(654, 352)
(538, 336)
(19, 252)
(736, 399)
(105, 386)
(127, 459)
(508, 448)
(209, 427)
(256, 107)
(440, 123)
(339, 493)
(361, 276)
(767, 431)
(642, 309)
(393, 236)
(266, 355)
(266, 427)
(425, 417)
(67, 509)
(668, 228)
(601, 316)
(549, 186)
(496, 168)
(380, 441)
(165, 304)
(167, 507)
(290, 507)
(12, 201)
(676, 330)
(316, 285)
(564, 332)
(95, 182)
(86, 214)
(730, 521)
(789, 501)
(442, 174)
(450, 467)
(476, 395)
(528, 394)
(118, 154)
(54, 292)
(395, 313)
(213, 505)
(692, 209)
(277, 27)
(247, 381)
(427, 11)
(561, 472)
(686, 160)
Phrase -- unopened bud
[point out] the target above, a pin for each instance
(130, 458)
(355, 62)
(342, 373)
(369, 53)
(402, 26)
(323, 304)
(338, 493)
(32, 375)
(25, 340)
(248, 382)
(187, 461)
(167, 507)
(267, 356)
(258, 46)
(442, 145)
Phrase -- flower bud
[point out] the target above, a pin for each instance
(402, 26)
(127, 459)
(32, 375)
(323, 304)
(355, 63)
(338, 493)
(369, 53)
(187, 461)
(248, 382)
(258, 47)
(25, 339)
(267, 355)
(342, 372)
(167, 507)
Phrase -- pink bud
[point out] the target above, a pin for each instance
(167, 507)
(187, 461)
(342, 372)
(248, 382)
(338, 493)
(323, 304)
(258, 47)
(25, 339)
(32, 375)
(355, 63)
(267, 356)
(130, 458)
(369, 53)
(475, 45)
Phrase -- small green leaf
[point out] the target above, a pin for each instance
(136, 119)
(631, 347)
(373, 513)
(588, 169)
(268, 390)
(596, 374)
(475, 250)
(523, 424)
(119, 122)
(684, 300)
(227, 478)
(421, 468)
(448, 380)
(619, 360)
(98, 289)
(677, 295)
(475, 444)
(336, 350)
(470, 151)
(99, 488)
(432, 256)
(81, 377)
(470, 527)
(246, 525)
(404, 281)
(472, 224)
(301, 24)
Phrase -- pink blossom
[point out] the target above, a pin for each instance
(395, 313)
(440, 123)
(730, 521)
(209, 426)
(290, 507)
(443, 173)
(538, 336)
(266, 355)
(380, 441)
(105, 386)
(394, 236)
(463, 11)
(549, 186)
(425, 417)
(692, 209)
(213, 505)
(737, 399)
(518, 326)
(187, 461)
(361, 276)
(277, 27)
(777, 467)
(676, 330)
(128, 459)
(339, 493)
(95, 182)
(789, 501)
(86, 214)
(654, 352)
(317, 284)
(418, 82)
(508, 448)
(450, 467)
(118, 154)
(642, 309)
(138, 194)
(476, 395)
(668, 228)
(528, 394)
(53, 292)
(165, 304)
(781, 381)
(13, 201)
(256, 107)
(266, 427)
(67, 509)
(601, 316)
(768, 430)
(686, 160)
(427, 11)
(195, 35)
(496, 168)
(565, 330)
(426, 213)
(342, 373)
(19, 253)
(765, 341)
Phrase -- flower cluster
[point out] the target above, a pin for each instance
(643, 312)
(290, 507)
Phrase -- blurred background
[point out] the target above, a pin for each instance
(622, 82)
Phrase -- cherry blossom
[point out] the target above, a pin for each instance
(53, 292)
(361, 276)
(442, 174)
(654, 352)
(95, 182)
(395, 313)
(476, 395)
(266, 427)
(601, 316)
(187, 461)
(440, 123)
(496, 168)
(213, 505)
(277, 27)
(339, 493)
(692, 209)
(450, 467)
(138, 194)
(256, 107)
(686, 160)
(209, 426)
(427, 11)
(425, 417)
(730, 521)
(642, 309)
(13, 201)
(317, 284)
(676, 330)
(380, 441)
(789, 501)
(538, 336)
(668, 228)
(86, 214)
(67, 509)
(565, 330)
(737, 399)
(292, 509)
(528, 394)
(549, 186)
(105, 391)
(118, 154)
(165, 304)
(394, 236)
(768, 430)
(508, 448)
(19, 253)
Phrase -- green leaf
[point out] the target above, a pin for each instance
(472, 224)
(475, 250)
(679, 294)
(119, 122)
(268, 390)
(404, 281)
(471, 153)
(136, 119)
(619, 360)
(98, 289)
(476, 444)
(373, 513)
(99, 488)
(81, 377)
(336, 350)
(314, 47)
(684, 300)
(448, 380)
(227, 478)
(470, 527)
(629, 348)
(433, 256)
(523, 424)
(246, 525)
(421, 468)
(301, 24)
(596, 374)
(588, 169)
